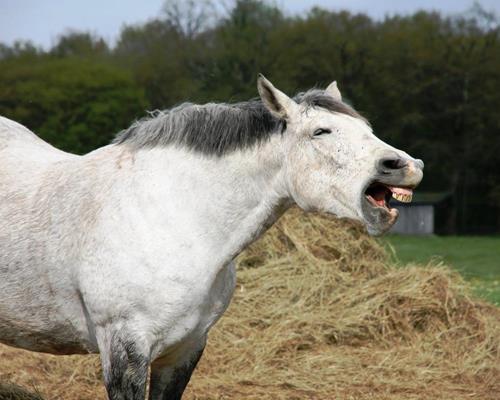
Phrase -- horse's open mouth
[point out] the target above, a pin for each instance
(378, 195)
(377, 214)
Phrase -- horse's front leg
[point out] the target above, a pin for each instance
(169, 381)
(125, 363)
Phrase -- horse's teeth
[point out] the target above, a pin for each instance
(397, 196)
(404, 198)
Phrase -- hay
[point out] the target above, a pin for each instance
(320, 313)
(14, 392)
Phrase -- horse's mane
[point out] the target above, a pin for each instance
(217, 129)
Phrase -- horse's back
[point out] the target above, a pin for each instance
(19, 144)
(24, 161)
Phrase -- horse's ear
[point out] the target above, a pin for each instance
(277, 102)
(334, 91)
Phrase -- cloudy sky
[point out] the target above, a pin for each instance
(41, 21)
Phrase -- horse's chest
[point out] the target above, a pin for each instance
(216, 299)
(190, 321)
(220, 294)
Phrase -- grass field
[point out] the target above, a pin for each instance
(477, 258)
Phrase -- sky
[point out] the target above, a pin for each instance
(42, 21)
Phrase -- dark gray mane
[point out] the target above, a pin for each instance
(217, 129)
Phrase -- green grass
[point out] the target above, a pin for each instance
(477, 258)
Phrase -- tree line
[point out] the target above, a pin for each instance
(429, 83)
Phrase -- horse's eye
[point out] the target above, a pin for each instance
(322, 131)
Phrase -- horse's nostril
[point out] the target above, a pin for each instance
(392, 163)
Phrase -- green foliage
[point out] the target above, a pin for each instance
(243, 46)
(75, 104)
(428, 83)
(158, 56)
(80, 44)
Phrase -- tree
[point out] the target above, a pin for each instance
(81, 44)
(190, 17)
(75, 105)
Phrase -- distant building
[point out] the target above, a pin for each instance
(418, 217)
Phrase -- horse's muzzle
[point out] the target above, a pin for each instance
(400, 171)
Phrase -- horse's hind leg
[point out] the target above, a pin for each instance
(169, 381)
(125, 366)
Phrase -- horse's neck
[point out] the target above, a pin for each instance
(217, 205)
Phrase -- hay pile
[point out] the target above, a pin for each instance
(319, 313)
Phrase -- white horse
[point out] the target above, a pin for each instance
(128, 251)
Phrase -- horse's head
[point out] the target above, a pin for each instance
(333, 161)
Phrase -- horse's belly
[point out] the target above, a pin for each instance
(60, 340)
(41, 320)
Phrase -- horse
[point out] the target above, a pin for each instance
(128, 251)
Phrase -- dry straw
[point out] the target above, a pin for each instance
(320, 313)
